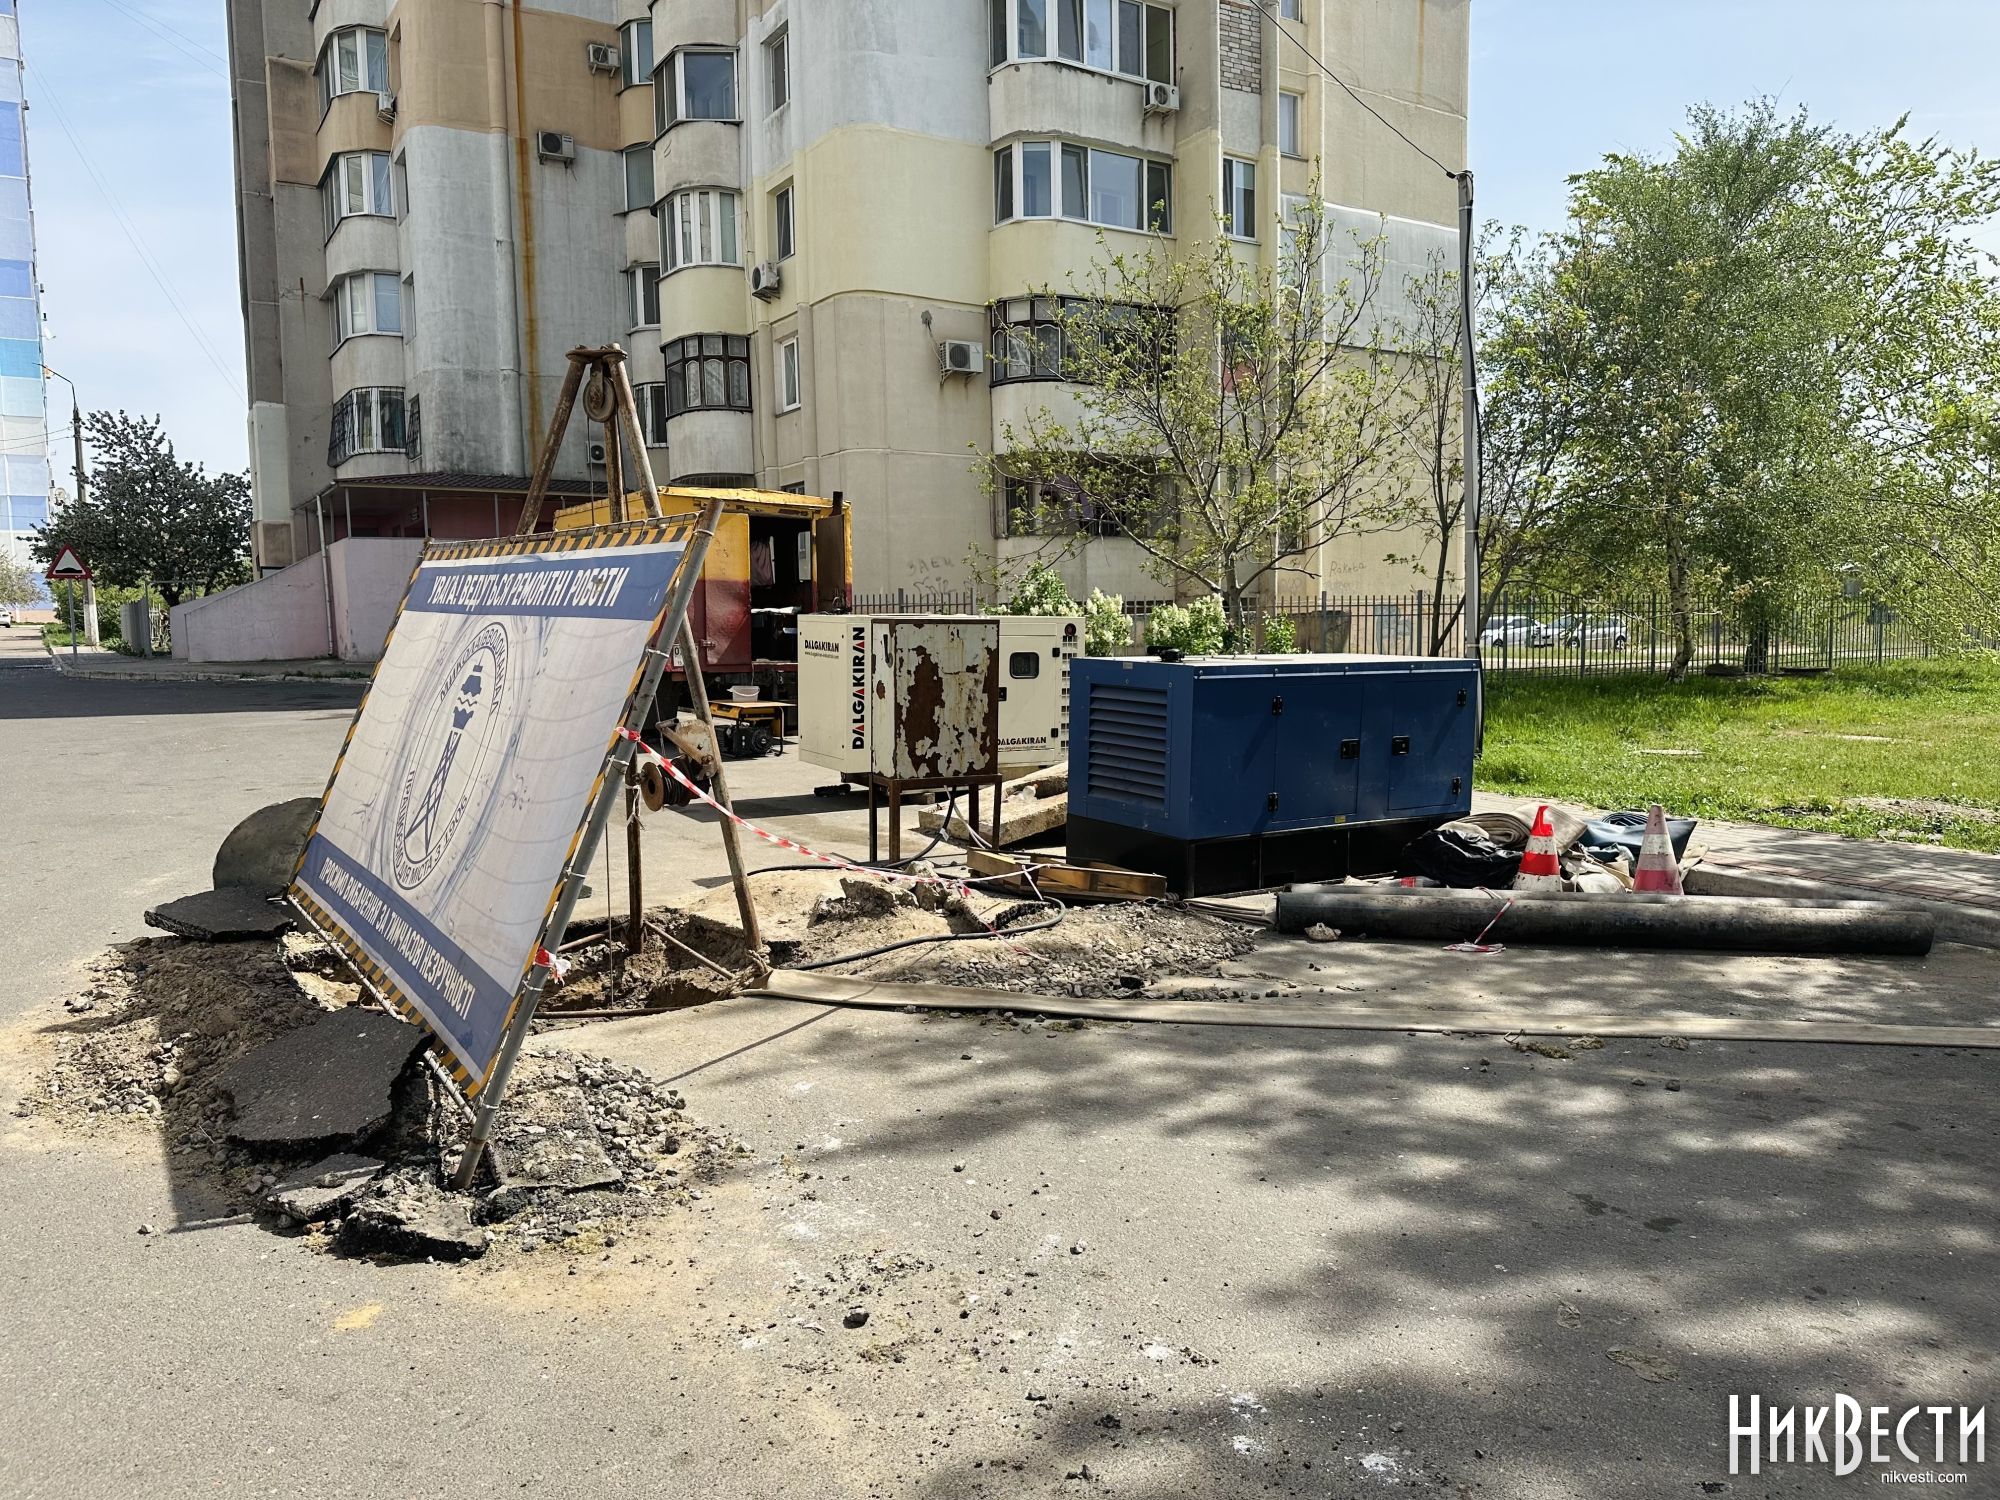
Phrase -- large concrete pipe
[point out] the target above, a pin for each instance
(1734, 924)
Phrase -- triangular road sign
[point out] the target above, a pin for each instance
(66, 566)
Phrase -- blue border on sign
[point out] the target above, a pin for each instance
(574, 586)
(465, 1005)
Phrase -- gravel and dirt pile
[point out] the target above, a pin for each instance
(1114, 949)
(149, 1042)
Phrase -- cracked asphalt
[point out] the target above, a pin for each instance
(1147, 1261)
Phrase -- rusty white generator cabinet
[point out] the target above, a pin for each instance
(1241, 773)
(903, 703)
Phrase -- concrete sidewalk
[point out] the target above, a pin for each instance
(93, 662)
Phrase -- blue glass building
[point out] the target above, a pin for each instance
(24, 414)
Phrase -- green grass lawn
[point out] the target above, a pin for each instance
(1907, 750)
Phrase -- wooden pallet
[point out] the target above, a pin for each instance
(1066, 881)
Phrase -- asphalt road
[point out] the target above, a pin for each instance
(1191, 1261)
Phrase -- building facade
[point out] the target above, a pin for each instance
(813, 223)
(24, 413)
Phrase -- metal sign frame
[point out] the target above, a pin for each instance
(485, 1092)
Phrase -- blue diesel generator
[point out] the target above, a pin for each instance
(1239, 773)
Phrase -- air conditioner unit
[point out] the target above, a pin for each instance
(961, 357)
(553, 145)
(603, 57)
(765, 279)
(594, 455)
(385, 106)
(1162, 98)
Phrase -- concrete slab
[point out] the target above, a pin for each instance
(262, 851)
(415, 1218)
(545, 1138)
(324, 1188)
(330, 1079)
(222, 916)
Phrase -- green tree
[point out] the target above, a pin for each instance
(1226, 416)
(1106, 630)
(1426, 476)
(17, 583)
(1746, 363)
(150, 517)
(1041, 591)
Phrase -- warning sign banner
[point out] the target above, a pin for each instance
(469, 771)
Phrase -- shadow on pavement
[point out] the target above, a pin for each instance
(1476, 1270)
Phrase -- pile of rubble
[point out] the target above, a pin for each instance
(283, 1096)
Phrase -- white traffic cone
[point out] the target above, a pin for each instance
(1659, 873)
(1541, 869)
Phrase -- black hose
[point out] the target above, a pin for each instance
(939, 937)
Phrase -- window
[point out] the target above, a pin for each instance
(635, 52)
(1292, 10)
(642, 295)
(353, 61)
(368, 420)
(781, 215)
(1024, 664)
(638, 178)
(369, 302)
(698, 228)
(708, 372)
(788, 375)
(778, 68)
(355, 184)
(1032, 507)
(1112, 36)
(1239, 197)
(651, 399)
(694, 86)
(1288, 124)
(1058, 180)
(1031, 336)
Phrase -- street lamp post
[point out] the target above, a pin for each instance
(90, 633)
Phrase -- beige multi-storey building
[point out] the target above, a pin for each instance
(814, 224)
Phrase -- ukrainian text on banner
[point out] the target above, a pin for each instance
(452, 811)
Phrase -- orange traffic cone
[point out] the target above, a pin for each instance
(1539, 867)
(1659, 872)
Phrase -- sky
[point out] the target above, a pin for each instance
(142, 87)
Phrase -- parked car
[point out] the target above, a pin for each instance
(1599, 630)
(6, 617)
(1510, 630)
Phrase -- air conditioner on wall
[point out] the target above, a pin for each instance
(765, 279)
(385, 106)
(594, 455)
(961, 357)
(603, 57)
(553, 145)
(1162, 98)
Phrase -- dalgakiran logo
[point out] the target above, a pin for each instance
(449, 754)
(1845, 1435)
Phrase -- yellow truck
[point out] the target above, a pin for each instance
(776, 556)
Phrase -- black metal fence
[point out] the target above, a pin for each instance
(1541, 634)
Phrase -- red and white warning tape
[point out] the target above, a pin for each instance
(961, 888)
(557, 966)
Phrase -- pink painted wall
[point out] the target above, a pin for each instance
(283, 615)
(280, 617)
(369, 576)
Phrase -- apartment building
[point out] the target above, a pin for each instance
(24, 413)
(813, 223)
